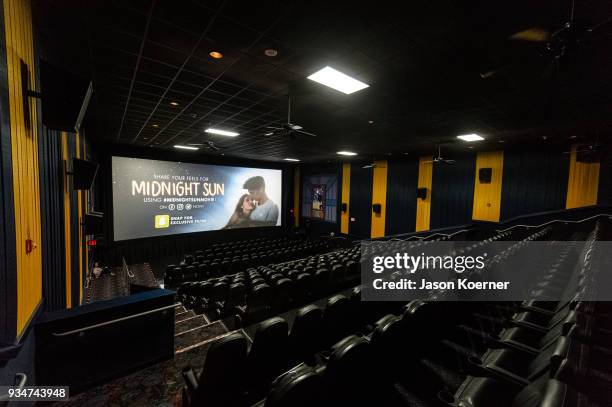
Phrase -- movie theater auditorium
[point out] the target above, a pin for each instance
(190, 191)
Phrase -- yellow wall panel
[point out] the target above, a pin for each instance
(379, 196)
(24, 143)
(487, 197)
(423, 207)
(296, 196)
(582, 184)
(346, 195)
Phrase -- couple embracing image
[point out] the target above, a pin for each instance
(255, 208)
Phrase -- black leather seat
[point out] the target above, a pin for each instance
(349, 368)
(221, 382)
(337, 318)
(268, 355)
(306, 333)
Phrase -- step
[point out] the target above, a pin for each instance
(181, 316)
(198, 334)
(189, 323)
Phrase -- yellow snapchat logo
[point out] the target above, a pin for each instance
(162, 221)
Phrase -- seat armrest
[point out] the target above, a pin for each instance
(190, 378)
(506, 376)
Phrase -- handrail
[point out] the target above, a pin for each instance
(397, 239)
(554, 221)
(438, 234)
(22, 381)
(114, 321)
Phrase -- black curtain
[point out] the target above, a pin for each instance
(402, 179)
(533, 181)
(52, 219)
(605, 178)
(74, 223)
(360, 206)
(452, 192)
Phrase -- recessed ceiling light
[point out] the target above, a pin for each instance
(470, 137)
(346, 153)
(215, 54)
(219, 132)
(268, 134)
(328, 76)
(156, 125)
(291, 159)
(271, 52)
(572, 137)
(371, 121)
(185, 147)
(174, 103)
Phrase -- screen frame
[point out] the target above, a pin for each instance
(172, 156)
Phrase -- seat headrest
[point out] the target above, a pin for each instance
(299, 387)
(276, 327)
(349, 359)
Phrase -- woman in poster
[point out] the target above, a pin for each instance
(241, 216)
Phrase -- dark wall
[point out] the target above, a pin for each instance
(533, 181)
(402, 177)
(452, 192)
(360, 207)
(605, 178)
(318, 227)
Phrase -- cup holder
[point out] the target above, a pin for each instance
(446, 397)
(474, 360)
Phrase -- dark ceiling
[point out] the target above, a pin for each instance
(424, 64)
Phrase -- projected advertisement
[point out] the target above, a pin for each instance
(158, 198)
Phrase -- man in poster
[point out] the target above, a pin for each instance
(266, 211)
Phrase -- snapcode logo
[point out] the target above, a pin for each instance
(162, 221)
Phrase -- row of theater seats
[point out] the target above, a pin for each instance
(259, 292)
(236, 374)
(227, 258)
(532, 353)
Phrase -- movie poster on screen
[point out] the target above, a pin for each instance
(158, 198)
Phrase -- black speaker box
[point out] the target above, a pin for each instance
(63, 96)
(484, 175)
(422, 193)
(376, 208)
(83, 173)
(93, 223)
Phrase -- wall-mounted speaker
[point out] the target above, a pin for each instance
(83, 173)
(93, 223)
(484, 175)
(376, 208)
(422, 193)
(65, 97)
(344, 207)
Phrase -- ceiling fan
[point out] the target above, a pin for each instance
(288, 129)
(439, 158)
(554, 45)
(207, 144)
